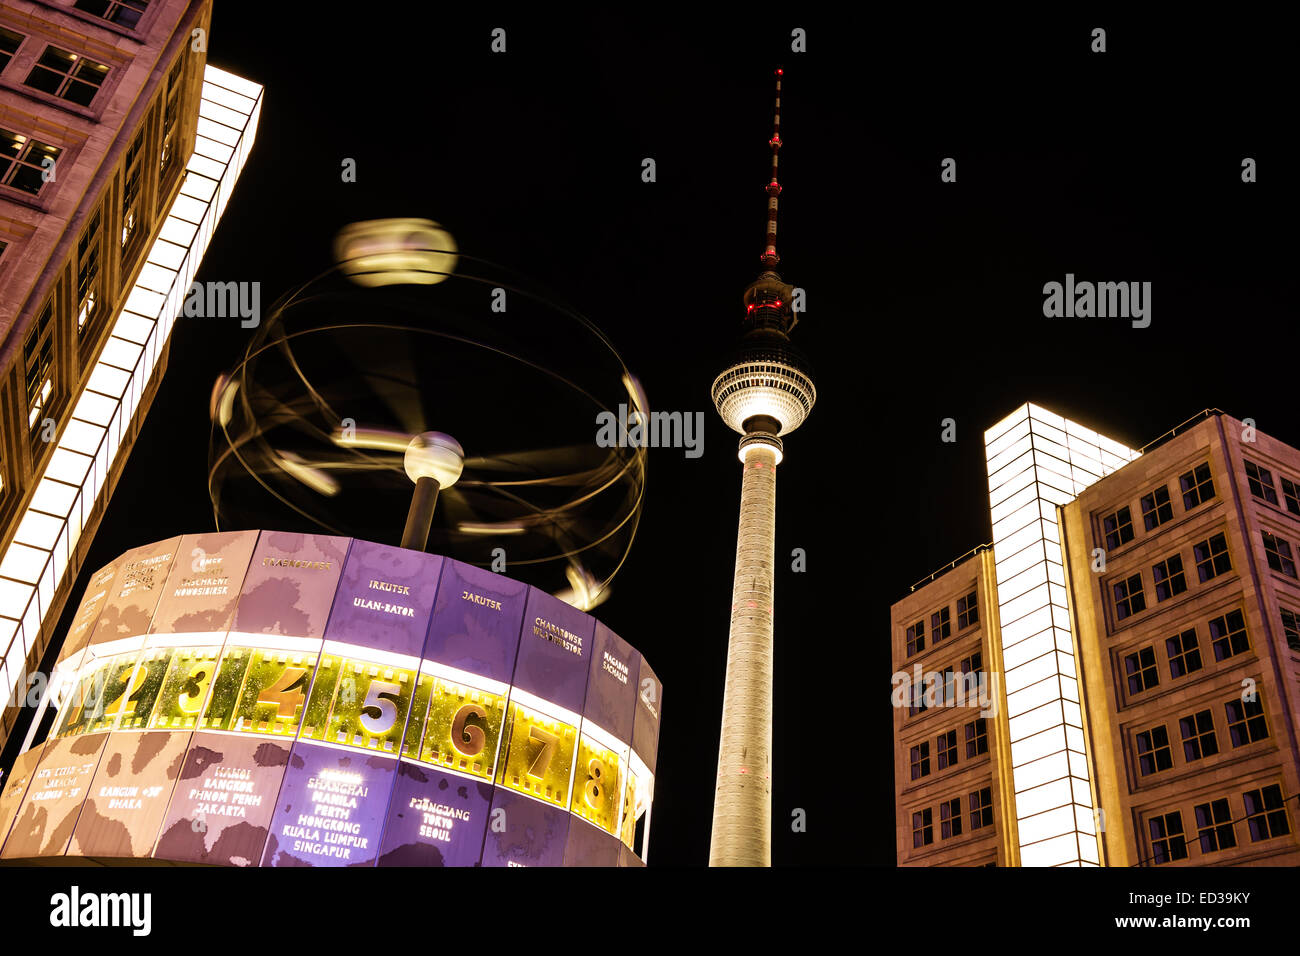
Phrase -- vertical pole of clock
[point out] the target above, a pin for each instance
(420, 518)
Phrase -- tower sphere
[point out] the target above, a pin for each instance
(765, 378)
(434, 455)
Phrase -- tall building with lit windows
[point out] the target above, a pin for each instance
(1148, 619)
(118, 150)
(953, 802)
(1192, 666)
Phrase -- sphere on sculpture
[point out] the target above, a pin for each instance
(434, 455)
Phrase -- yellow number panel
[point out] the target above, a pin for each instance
(148, 681)
(539, 761)
(369, 705)
(272, 695)
(463, 728)
(596, 785)
(101, 695)
(185, 687)
(77, 708)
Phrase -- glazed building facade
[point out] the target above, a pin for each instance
(1153, 718)
(119, 147)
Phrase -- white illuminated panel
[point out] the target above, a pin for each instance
(67, 488)
(1036, 461)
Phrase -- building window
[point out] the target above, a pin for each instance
(1153, 751)
(1129, 598)
(1291, 628)
(1211, 557)
(1292, 496)
(948, 688)
(23, 161)
(947, 746)
(9, 44)
(1184, 653)
(1141, 670)
(1228, 635)
(131, 179)
(1156, 508)
(968, 611)
(981, 808)
(918, 704)
(171, 114)
(88, 261)
(1197, 486)
(971, 668)
(940, 625)
(950, 818)
(916, 638)
(922, 828)
(1266, 813)
(977, 737)
(1214, 826)
(1168, 577)
(1118, 527)
(1198, 736)
(125, 13)
(38, 363)
(1261, 482)
(68, 76)
(921, 760)
(1167, 842)
(1246, 723)
(1278, 551)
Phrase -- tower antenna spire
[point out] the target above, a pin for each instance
(770, 258)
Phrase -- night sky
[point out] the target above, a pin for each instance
(924, 299)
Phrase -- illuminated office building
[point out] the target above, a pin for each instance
(1148, 624)
(119, 147)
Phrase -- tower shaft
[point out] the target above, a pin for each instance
(742, 806)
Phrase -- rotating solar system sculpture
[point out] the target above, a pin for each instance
(404, 337)
(310, 696)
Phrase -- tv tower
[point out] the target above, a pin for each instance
(765, 391)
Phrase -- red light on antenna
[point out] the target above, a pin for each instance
(779, 72)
